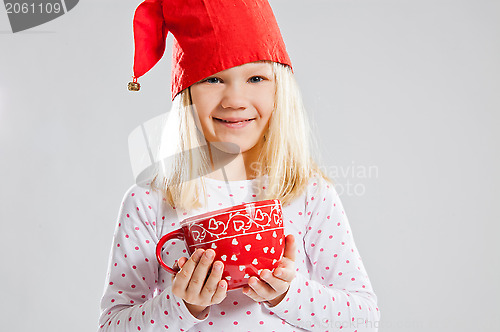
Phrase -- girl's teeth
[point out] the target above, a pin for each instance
(235, 121)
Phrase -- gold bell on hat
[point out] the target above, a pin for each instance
(134, 86)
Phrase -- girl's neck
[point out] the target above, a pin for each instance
(234, 166)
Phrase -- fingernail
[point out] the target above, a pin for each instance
(218, 266)
(209, 254)
(277, 273)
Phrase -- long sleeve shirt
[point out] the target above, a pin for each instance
(331, 290)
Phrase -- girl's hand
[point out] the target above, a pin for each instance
(199, 282)
(272, 287)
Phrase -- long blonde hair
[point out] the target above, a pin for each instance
(286, 157)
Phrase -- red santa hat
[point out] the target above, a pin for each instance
(209, 36)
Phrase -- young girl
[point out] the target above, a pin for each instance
(241, 136)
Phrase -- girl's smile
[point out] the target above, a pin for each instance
(233, 122)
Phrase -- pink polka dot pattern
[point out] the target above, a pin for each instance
(330, 291)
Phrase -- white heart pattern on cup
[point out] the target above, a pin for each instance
(274, 234)
(265, 249)
(235, 242)
(276, 219)
(196, 235)
(214, 246)
(223, 257)
(258, 216)
(214, 224)
(248, 246)
(255, 261)
(242, 267)
(272, 250)
(258, 237)
(238, 225)
(234, 258)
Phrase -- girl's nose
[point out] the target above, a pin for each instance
(234, 97)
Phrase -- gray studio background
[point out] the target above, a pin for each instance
(405, 97)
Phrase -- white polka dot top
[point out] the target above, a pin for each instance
(331, 290)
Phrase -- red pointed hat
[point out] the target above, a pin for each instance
(209, 36)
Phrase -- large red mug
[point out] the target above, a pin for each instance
(246, 238)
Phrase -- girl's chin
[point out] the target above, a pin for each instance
(228, 147)
(232, 147)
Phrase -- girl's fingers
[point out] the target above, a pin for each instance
(220, 293)
(278, 285)
(200, 273)
(284, 273)
(248, 291)
(180, 263)
(182, 278)
(262, 289)
(199, 281)
(211, 284)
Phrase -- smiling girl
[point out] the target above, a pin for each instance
(242, 135)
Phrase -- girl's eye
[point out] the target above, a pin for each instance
(212, 80)
(256, 79)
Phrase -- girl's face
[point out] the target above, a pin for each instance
(235, 104)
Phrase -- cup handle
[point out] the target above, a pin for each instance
(177, 234)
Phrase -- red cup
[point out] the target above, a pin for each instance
(246, 238)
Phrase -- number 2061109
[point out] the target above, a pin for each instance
(31, 8)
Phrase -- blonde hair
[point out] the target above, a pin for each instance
(286, 157)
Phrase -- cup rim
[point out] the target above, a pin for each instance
(210, 214)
